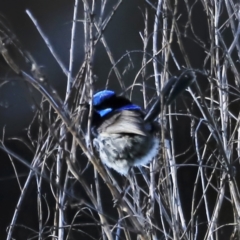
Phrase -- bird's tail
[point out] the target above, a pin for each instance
(172, 89)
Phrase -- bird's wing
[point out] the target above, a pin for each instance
(124, 122)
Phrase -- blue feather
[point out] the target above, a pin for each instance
(104, 112)
(129, 107)
(99, 97)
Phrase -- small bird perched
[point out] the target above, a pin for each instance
(123, 134)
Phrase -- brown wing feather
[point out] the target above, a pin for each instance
(124, 122)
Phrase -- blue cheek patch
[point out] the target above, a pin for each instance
(104, 112)
(99, 97)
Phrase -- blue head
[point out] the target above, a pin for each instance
(106, 101)
(100, 97)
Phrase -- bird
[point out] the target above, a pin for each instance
(123, 134)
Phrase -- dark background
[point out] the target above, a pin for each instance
(122, 34)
